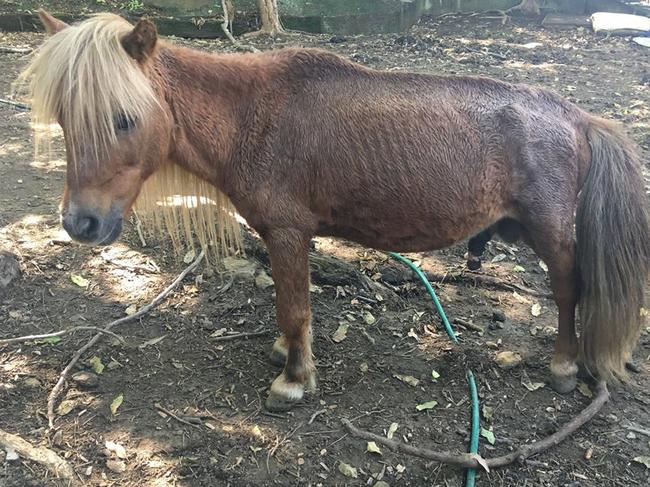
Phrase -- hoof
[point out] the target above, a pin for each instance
(279, 352)
(284, 394)
(632, 367)
(474, 263)
(563, 384)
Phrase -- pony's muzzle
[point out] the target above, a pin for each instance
(91, 228)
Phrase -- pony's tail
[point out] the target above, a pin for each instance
(613, 251)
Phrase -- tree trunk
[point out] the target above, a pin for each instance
(270, 17)
(528, 7)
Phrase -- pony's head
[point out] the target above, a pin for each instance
(95, 80)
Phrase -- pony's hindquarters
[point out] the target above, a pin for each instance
(613, 251)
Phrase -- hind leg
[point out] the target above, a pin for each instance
(476, 247)
(554, 243)
(290, 265)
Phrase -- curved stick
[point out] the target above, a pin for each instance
(28, 338)
(467, 460)
(54, 394)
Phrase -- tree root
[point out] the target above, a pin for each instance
(468, 460)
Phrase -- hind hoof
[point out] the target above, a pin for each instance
(474, 264)
(563, 384)
(632, 367)
(279, 352)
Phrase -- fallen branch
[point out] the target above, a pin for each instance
(486, 280)
(469, 325)
(15, 104)
(56, 391)
(28, 338)
(468, 460)
(16, 50)
(39, 454)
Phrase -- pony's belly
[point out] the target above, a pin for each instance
(402, 236)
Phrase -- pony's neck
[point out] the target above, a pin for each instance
(212, 98)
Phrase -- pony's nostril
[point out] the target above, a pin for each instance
(87, 227)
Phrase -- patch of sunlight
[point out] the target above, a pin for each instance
(519, 65)
(11, 148)
(48, 164)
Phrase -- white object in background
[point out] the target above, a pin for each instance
(642, 41)
(621, 24)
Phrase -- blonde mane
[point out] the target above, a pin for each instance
(82, 75)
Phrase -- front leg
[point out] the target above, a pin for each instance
(288, 252)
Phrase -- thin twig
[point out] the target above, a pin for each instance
(54, 394)
(236, 336)
(176, 417)
(469, 325)
(468, 460)
(315, 415)
(15, 104)
(28, 338)
(39, 454)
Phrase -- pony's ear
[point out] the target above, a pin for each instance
(52, 24)
(141, 41)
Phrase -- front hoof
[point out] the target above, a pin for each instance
(283, 394)
(563, 384)
(632, 367)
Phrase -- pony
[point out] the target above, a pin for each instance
(303, 143)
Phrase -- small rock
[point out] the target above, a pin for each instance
(117, 466)
(9, 268)
(507, 359)
(11, 455)
(32, 382)
(239, 268)
(86, 380)
(337, 39)
(496, 325)
(631, 436)
(263, 280)
(498, 315)
(381, 483)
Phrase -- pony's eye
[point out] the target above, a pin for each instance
(124, 123)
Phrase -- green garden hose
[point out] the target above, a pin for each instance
(476, 422)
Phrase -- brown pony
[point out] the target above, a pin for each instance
(305, 143)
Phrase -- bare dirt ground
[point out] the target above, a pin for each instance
(172, 358)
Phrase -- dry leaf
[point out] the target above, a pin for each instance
(119, 450)
(189, 257)
(341, 333)
(117, 466)
(348, 470)
(131, 310)
(584, 390)
(488, 435)
(643, 460)
(498, 258)
(96, 364)
(543, 265)
(117, 402)
(391, 430)
(369, 318)
(426, 405)
(79, 281)
(65, 407)
(435, 375)
(407, 379)
(536, 309)
(373, 448)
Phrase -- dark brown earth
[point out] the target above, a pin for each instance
(190, 374)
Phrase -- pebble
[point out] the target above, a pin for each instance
(508, 359)
(499, 316)
(86, 380)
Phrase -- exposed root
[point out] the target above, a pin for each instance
(468, 460)
(39, 454)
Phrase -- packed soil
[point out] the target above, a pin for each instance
(215, 430)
